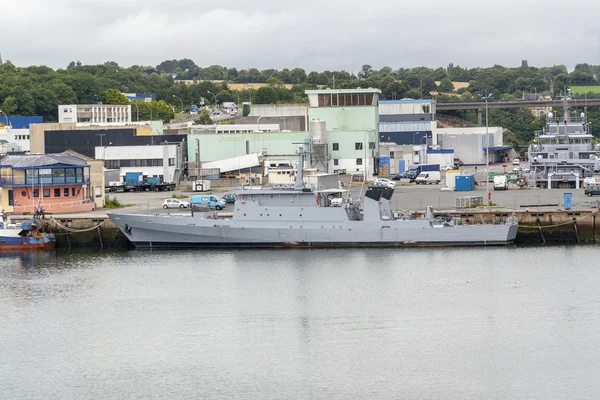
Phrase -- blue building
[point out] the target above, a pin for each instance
(408, 122)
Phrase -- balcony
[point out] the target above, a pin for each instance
(44, 181)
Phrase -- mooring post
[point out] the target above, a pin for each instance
(576, 230)
(540, 230)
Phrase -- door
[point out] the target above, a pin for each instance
(11, 198)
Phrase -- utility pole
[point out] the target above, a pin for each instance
(487, 149)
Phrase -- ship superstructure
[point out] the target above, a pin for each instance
(563, 154)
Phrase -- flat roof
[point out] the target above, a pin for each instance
(331, 91)
(408, 101)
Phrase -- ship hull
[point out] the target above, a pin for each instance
(10, 243)
(152, 231)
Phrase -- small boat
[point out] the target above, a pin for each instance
(25, 236)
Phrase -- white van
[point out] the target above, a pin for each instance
(428, 177)
(500, 182)
(516, 161)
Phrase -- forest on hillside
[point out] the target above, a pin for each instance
(38, 90)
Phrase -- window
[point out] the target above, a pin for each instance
(66, 192)
(336, 161)
(391, 154)
(36, 192)
(58, 175)
(336, 146)
(371, 145)
(72, 192)
(46, 192)
(57, 192)
(359, 161)
(358, 146)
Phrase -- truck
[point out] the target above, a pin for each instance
(415, 170)
(500, 182)
(134, 181)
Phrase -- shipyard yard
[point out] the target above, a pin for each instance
(411, 197)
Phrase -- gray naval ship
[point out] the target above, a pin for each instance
(298, 216)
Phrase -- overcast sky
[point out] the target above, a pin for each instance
(313, 34)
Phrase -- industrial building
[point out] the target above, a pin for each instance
(343, 135)
(470, 144)
(163, 161)
(408, 122)
(94, 113)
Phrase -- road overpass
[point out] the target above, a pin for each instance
(480, 105)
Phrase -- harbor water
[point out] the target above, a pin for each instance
(501, 323)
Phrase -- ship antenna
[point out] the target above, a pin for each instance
(299, 183)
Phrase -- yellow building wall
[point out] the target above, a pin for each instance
(97, 180)
(36, 134)
(143, 132)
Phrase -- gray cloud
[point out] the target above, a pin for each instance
(312, 34)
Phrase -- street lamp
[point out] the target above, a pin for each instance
(137, 111)
(487, 149)
(177, 97)
(414, 134)
(209, 92)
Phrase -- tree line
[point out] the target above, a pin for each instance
(38, 90)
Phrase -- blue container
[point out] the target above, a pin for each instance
(153, 181)
(568, 198)
(133, 178)
(464, 183)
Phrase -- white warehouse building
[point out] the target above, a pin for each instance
(164, 161)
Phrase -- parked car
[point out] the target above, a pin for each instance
(445, 168)
(592, 189)
(397, 177)
(175, 203)
(516, 161)
(382, 183)
(228, 198)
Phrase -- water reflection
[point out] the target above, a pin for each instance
(30, 259)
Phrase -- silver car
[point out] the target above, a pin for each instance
(175, 203)
(382, 183)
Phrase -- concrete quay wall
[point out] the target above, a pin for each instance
(535, 227)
